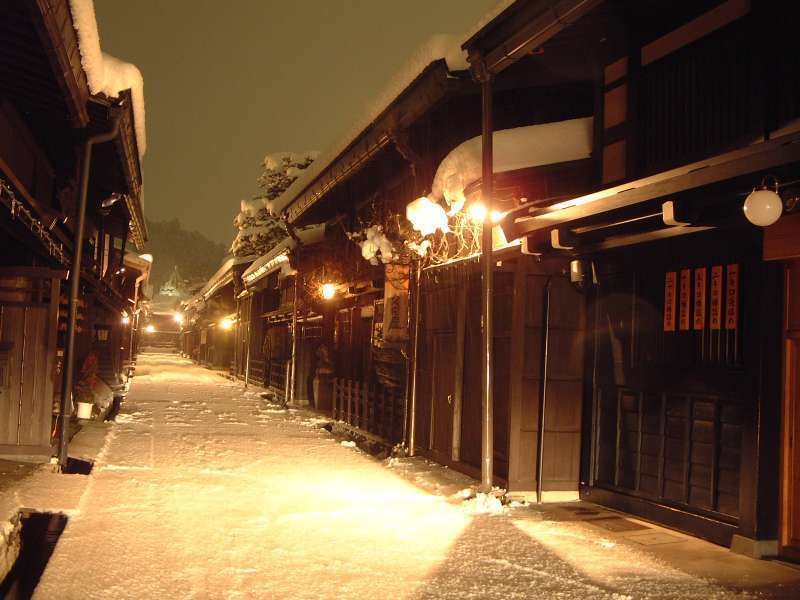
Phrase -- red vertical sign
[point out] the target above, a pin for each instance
(685, 299)
(732, 297)
(700, 298)
(716, 297)
(669, 301)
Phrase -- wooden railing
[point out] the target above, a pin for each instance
(374, 409)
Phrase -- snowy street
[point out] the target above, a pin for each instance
(204, 491)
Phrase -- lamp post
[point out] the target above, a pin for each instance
(487, 288)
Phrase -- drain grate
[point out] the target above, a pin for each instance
(40, 533)
(78, 466)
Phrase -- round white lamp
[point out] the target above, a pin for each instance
(763, 207)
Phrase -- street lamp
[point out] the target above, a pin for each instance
(150, 329)
(328, 291)
(226, 324)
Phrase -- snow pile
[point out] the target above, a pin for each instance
(10, 543)
(513, 149)
(484, 504)
(375, 246)
(348, 444)
(427, 216)
(104, 73)
(445, 47)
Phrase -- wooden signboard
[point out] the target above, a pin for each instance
(732, 297)
(716, 298)
(395, 308)
(700, 299)
(670, 281)
(685, 299)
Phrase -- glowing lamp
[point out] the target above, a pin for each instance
(427, 216)
(226, 324)
(328, 291)
(763, 207)
(178, 318)
(150, 329)
(125, 319)
(477, 213)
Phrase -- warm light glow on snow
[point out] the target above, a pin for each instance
(427, 216)
(150, 329)
(328, 291)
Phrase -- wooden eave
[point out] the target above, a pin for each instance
(125, 156)
(428, 89)
(40, 65)
(640, 200)
(521, 29)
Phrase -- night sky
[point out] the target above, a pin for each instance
(228, 82)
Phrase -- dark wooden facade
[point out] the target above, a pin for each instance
(46, 113)
(686, 352)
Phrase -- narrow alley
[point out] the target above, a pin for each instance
(202, 490)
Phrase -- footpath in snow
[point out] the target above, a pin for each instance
(204, 491)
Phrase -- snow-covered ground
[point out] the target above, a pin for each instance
(204, 491)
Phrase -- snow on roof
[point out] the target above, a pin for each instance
(513, 149)
(104, 73)
(270, 261)
(223, 275)
(438, 47)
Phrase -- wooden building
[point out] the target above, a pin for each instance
(46, 113)
(688, 307)
(209, 318)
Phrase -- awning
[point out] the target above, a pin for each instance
(563, 221)
(223, 276)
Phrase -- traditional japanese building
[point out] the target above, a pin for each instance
(687, 299)
(49, 108)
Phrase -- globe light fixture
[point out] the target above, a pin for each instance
(150, 329)
(763, 206)
(126, 319)
(328, 291)
(226, 324)
(178, 318)
(477, 213)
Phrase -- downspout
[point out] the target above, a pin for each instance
(487, 191)
(543, 393)
(74, 289)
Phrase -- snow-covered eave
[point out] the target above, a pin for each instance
(106, 74)
(279, 254)
(513, 149)
(223, 276)
(371, 131)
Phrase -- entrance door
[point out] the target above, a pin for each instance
(443, 387)
(790, 509)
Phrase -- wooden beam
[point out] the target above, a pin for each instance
(744, 161)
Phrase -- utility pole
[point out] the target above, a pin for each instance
(487, 287)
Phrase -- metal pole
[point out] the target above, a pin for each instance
(543, 393)
(487, 379)
(247, 358)
(294, 341)
(74, 289)
(412, 428)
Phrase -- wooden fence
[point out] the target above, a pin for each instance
(372, 408)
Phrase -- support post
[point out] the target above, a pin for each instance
(412, 416)
(294, 344)
(74, 290)
(543, 393)
(487, 379)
